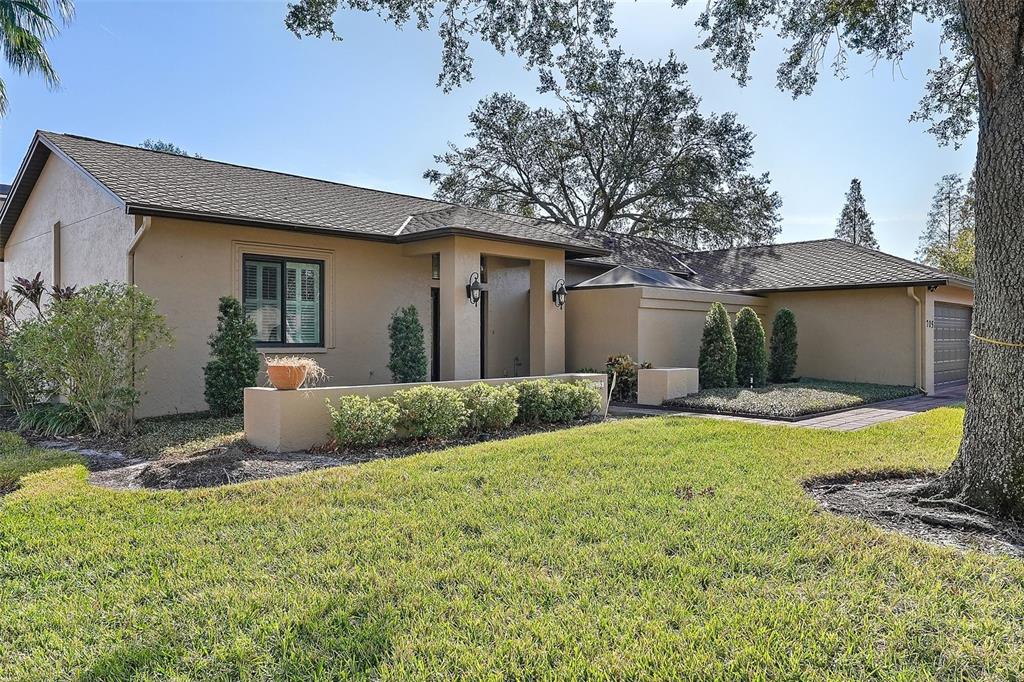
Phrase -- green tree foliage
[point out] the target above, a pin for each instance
(234, 362)
(948, 238)
(534, 31)
(751, 354)
(958, 259)
(855, 225)
(408, 361)
(783, 347)
(90, 348)
(168, 147)
(717, 361)
(25, 25)
(628, 150)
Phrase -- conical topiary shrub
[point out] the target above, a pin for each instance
(751, 354)
(408, 362)
(782, 360)
(717, 363)
(234, 362)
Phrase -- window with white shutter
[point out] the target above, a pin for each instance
(284, 297)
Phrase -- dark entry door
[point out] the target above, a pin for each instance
(435, 334)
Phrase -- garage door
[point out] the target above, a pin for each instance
(952, 342)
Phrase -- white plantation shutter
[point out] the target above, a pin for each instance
(261, 296)
(270, 287)
(302, 302)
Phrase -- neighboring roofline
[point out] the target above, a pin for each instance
(573, 249)
(161, 212)
(583, 262)
(836, 287)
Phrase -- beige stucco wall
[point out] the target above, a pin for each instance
(660, 326)
(671, 323)
(94, 231)
(853, 334)
(187, 266)
(599, 323)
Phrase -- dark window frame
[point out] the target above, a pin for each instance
(281, 283)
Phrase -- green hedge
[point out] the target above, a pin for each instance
(439, 412)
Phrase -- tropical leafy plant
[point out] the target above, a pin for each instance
(90, 347)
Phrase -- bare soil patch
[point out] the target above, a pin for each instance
(891, 500)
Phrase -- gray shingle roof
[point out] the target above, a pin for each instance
(159, 183)
(630, 276)
(647, 252)
(821, 264)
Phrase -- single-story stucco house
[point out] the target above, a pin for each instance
(321, 266)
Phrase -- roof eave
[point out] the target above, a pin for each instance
(164, 212)
(837, 287)
(225, 219)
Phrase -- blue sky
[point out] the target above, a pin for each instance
(227, 80)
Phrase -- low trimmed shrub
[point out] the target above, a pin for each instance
(717, 360)
(431, 412)
(542, 401)
(490, 408)
(625, 369)
(534, 398)
(359, 421)
(572, 401)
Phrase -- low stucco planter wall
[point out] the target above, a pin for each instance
(655, 386)
(284, 421)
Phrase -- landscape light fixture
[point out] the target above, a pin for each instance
(473, 289)
(558, 294)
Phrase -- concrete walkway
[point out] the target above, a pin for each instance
(849, 420)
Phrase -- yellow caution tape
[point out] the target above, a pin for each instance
(997, 342)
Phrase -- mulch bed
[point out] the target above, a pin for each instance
(236, 464)
(891, 501)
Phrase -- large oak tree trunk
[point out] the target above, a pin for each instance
(988, 473)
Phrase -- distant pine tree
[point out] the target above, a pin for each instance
(855, 225)
(948, 238)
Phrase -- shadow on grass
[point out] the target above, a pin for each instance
(341, 640)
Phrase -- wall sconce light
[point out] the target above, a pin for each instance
(473, 289)
(558, 294)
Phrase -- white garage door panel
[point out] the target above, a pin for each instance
(952, 342)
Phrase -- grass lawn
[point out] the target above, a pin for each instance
(671, 548)
(806, 396)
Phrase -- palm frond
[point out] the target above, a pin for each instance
(25, 25)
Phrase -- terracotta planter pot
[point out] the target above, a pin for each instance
(286, 377)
